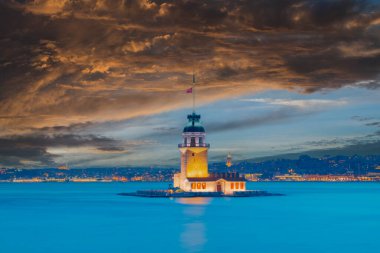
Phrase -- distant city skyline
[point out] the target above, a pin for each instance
(103, 83)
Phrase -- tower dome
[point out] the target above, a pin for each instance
(194, 134)
(194, 125)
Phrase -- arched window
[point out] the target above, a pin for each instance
(242, 185)
(232, 186)
(192, 142)
(203, 186)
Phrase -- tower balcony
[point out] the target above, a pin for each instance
(194, 145)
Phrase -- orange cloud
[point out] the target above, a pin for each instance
(70, 62)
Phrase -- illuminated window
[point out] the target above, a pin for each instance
(232, 186)
(203, 186)
(198, 185)
(192, 185)
(241, 185)
(237, 185)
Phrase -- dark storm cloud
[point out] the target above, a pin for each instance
(32, 149)
(23, 156)
(68, 63)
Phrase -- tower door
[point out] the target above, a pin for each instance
(219, 187)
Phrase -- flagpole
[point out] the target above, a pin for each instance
(193, 91)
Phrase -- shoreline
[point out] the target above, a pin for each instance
(105, 181)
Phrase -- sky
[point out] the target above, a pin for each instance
(102, 83)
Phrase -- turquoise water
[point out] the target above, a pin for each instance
(90, 217)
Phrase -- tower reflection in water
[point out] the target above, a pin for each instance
(193, 236)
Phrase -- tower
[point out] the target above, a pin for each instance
(194, 148)
(229, 160)
(193, 151)
(194, 175)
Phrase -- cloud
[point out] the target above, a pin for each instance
(354, 148)
(276, 116)
(366, 148)
(368, 121)
(22, 150)
(300, 103)
(361, 118)
(363, 145)
(67, 63)
(358, 145)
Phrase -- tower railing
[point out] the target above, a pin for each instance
(190, 145)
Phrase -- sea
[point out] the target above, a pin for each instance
(92, 218)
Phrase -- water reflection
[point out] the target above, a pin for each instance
(193, 201)
(193, 236)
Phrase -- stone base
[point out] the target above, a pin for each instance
(171, 194)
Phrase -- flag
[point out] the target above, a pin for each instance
(189, 90)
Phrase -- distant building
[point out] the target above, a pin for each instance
(292, 176)
(374, 176)
(194, 175)
(254, 177)
(229, 160)
(288, 177)
(63, 167)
